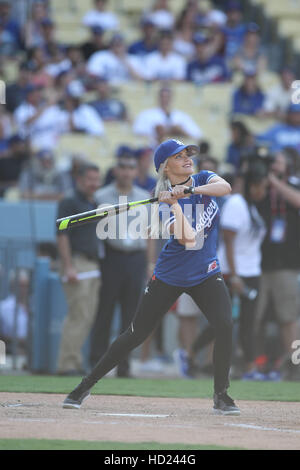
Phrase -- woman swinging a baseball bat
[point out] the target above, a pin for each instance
(187, 263)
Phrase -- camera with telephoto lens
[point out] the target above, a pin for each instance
(259, 159)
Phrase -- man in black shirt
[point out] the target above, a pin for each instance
(281, 254)
(95, 43)
(12, 164)
(16, 91)
(79, 254)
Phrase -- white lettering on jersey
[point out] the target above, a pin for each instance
(207, 216)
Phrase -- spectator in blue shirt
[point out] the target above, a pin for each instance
(144, 160)
(285, 134)
(250, 54)
(234, 29)
(50, 45)
(10, 32)
(242, 142)
(148, 43)
(206, 68)
(248, 99)
(109, 109)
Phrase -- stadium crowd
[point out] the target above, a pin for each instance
(259, 245)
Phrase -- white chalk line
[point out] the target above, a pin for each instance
(261, 428)
(182, 426)
(133, 415)
(189, 426)
(28, 420)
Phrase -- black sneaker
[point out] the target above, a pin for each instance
(77, 396)
(224, 405)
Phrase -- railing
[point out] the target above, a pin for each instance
(23, 227)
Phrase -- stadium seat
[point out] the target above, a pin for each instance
(99, 150)
(279, 9)
(177, 6)
(67, 36)
(209, 106)
(132, 6)
(89, 96)
(137, 96)
(215, 131)
(218, 96)
(71, 6)
(255, 125)
(296, 44)
(119, 133)
(266, 79)
(90, 146)
(187, 97)
(67, 21)
(289, 27)
(11, 69)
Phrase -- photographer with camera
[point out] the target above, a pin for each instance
(280, 210)
(243, 231)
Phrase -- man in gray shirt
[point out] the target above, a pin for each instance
(79, 255)
(40, 179)
(125, 262)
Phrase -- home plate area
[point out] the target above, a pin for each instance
(261, 425)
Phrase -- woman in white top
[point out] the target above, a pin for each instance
(185, 28)
(161, 15)
(243, 231)
(100, 17)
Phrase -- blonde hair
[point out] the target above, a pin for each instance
(163, 184)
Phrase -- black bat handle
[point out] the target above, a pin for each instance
(190, 190)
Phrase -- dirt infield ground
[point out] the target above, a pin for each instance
(261, 425)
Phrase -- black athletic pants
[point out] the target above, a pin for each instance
(213, 299)
(246, 325)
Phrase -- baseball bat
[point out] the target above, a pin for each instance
(95, 215)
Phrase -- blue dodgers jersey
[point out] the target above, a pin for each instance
(183, 267)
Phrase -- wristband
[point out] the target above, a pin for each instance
(190, 190)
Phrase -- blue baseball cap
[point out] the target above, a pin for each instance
(147, 21)
(233, 6)
(45, 154)
(253, 28)
(168, 149)
(97, 30)
(125, 151)
(16, 139)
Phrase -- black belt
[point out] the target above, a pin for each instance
(123, 252)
